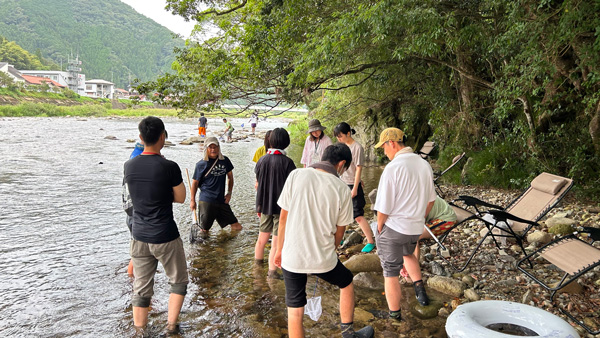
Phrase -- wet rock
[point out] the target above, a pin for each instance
(561, 229)
(447, 285)
(437, 269)
(426, 312)
(369, 280)
(186, 142)
(130, 140)
(110, 137)
(362, 316)
(353, 239)
(554, 221)
(364, 263)
(472, 295)
(539, 237)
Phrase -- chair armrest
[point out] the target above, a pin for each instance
(473, 202)
(504, 216)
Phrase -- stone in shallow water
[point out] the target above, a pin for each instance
(426, 312)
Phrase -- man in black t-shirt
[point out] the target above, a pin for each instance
(271, 172)
(154, 184)
(210, 176)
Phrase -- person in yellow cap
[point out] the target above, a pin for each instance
(405, 194)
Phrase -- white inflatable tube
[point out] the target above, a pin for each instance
(470, 320)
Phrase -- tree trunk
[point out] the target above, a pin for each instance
(595, 129)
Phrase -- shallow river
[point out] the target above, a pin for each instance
(64, 245)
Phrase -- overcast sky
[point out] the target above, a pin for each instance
(155, 10)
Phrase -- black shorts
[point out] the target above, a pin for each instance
(358, 202)
(209, 212)
(295, 283)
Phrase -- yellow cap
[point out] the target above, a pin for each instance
(390, 134)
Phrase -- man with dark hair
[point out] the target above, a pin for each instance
(154, 183)
(404, 196)
(271, 172)
(309, 231)
(210, 175)
(202, 123)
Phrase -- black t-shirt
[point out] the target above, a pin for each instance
(271, 172)
(212, 187)
(150, 179)
(202, 121)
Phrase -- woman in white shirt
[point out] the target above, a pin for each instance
(315, 144)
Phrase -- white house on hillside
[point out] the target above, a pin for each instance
(99, 88)
(11, 71)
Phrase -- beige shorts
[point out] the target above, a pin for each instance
(145, 258)
(269, 223)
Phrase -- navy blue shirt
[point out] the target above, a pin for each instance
(212, 186)
(150, 180)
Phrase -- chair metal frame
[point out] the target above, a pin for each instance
(501, 215)
(437, 176)
(594, 234)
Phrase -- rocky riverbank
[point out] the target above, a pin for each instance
(492, 274)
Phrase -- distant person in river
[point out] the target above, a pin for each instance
(315, 143)
(262, 150)
(228, 130)
(309, 231)
(253, 121)
(271, 172)
(202, 124)
(405, 195)
(351, 177)
(155, 183)
(210, 175)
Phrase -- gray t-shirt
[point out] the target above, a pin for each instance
(358, 158)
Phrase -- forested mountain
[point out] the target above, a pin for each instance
(114, 42)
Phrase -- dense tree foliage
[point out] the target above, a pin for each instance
(113, 40)
(20, 58)
(515, 83)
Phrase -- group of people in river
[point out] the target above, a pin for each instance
(305, 210)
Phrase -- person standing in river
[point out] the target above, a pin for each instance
(202, 124)
(309, 232)
(315, 143)
(271, 172)
(210, 175)
(228, 130)
(253, 121)
(351, 177)
(154, 184)
(404, 196)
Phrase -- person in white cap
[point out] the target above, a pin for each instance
(210, 176)
(315, 143)
(405, 195)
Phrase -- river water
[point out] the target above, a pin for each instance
(64, 245)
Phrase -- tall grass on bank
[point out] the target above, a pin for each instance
(50, 110)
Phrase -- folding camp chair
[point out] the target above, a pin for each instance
(514, 221)
(437, 176)
(573, 256)
(426, 149)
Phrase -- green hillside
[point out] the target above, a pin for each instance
(112, 39)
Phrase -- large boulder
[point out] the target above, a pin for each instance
(447, 285)
(364, 263)
(551, 222)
